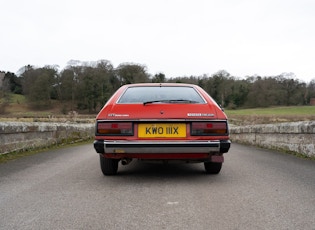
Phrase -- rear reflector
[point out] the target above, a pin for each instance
(115, 128)
(208, 128)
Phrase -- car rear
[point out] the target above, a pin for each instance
(161, 122)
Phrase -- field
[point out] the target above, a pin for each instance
(271, 115)
(18, 110)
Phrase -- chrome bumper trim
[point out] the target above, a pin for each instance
(161, 147)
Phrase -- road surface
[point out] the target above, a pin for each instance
(65, 189)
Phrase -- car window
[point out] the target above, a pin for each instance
(164, 94)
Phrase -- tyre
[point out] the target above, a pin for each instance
(109, 166)
(212, 167)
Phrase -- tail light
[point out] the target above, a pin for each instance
(209, 128)
(114, 128)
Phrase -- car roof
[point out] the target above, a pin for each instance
(159, 84)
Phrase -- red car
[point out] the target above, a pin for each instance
(161, 121)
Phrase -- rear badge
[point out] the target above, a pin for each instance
(200, 114)
(118, 115)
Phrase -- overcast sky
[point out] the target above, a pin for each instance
(175, 37)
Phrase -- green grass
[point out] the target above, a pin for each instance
(276, 111)
(271, 115)
(17, 98)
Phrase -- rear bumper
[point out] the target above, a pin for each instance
(150, 147)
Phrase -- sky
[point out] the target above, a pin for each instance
(174, 37)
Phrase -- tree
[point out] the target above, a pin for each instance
(263, 93)
(38, 85)
(13, 83)
(68, 84)
(310, 91)
(129, 73)
(158, 78)
(4, 92)
(217, 86)
(294, 90)
(88, 84)
(239, 92)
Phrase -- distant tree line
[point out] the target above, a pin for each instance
(87, 86)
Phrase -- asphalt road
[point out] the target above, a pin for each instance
(65, 189)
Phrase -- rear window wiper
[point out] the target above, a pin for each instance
(156, 101)
(184, 101)
(170, 101)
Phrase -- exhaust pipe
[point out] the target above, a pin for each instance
(126, 161)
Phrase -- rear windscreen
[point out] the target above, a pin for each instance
(166, 94)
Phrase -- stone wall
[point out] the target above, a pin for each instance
(297, 137)
(18, 136)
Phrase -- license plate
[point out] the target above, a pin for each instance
(162, 130)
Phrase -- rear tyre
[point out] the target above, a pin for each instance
(213, 167)
(109, 166)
